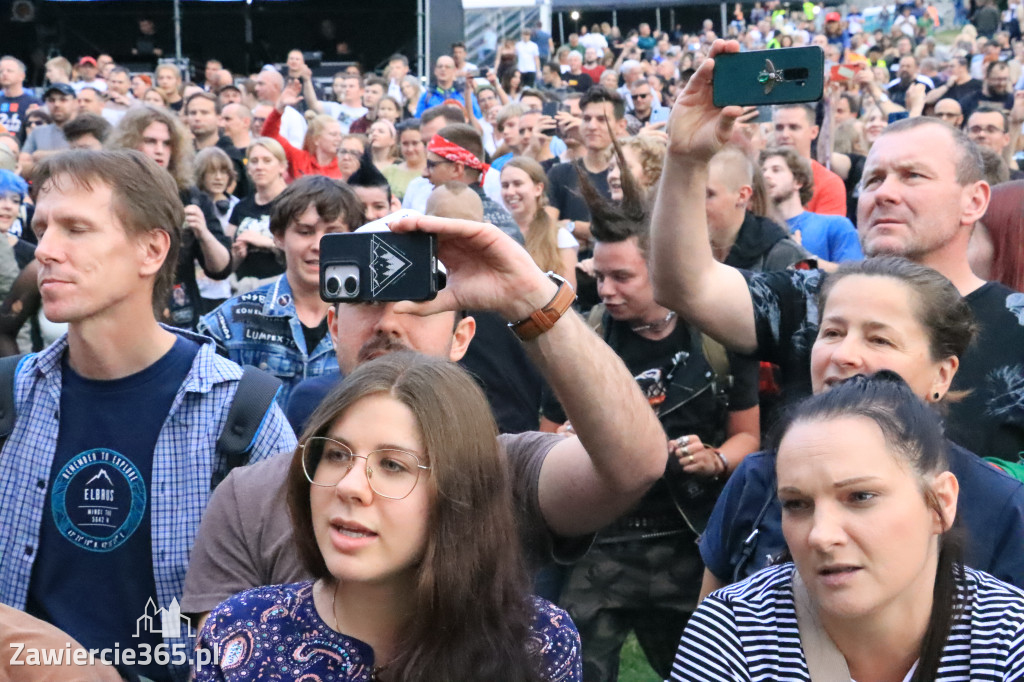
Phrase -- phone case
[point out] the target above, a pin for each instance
(782, 76)
(391, 267)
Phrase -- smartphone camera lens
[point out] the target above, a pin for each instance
(351, 285)
(332, 286)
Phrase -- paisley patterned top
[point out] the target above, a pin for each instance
(275, 633)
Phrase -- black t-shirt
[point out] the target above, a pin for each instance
(564, 190)
(962, 91)
(93, 574)
(250, 216)
(513, 385)
(674, 377)
(183, 306)
(989, 421)
(312, 335)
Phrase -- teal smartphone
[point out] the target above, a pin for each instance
(782, 76)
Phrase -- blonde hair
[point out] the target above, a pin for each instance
(271, 145)
(316, 128)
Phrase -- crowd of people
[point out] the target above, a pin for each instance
(745, 383)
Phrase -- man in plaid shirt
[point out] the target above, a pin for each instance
(108, 468)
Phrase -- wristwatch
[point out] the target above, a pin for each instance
(544, 319)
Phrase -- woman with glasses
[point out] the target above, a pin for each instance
(402, 511)
(414, 158)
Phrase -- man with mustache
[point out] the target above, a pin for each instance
(921, 193)
(566, 487)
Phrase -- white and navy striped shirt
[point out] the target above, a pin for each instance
(748, 632)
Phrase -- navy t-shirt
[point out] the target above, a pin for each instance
(93, 574)
(990, 509)
(14, 109)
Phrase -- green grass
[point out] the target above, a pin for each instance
(633, 665)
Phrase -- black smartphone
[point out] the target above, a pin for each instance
(782, 76)
(549, 109)
(379, 266)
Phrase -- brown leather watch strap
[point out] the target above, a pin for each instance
(544, 319)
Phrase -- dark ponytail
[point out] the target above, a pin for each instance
(913, 431)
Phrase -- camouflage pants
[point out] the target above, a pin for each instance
(649, 587)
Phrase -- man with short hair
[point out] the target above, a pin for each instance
(259, 116)
(948, 109)
(921, 194)
(455, 153)
(14, 100)
(46, 139)
(592, 65)
(236, 120)
(527, 58)
(282, 326)
(603, 117)
(740, 238)
(906, 75)
(644, 106)
(464, 68)
(958, 86)
(373, 91)
(348, 105)
(87, 131)
(98, 517)
(631, 71)
(203, 117)
(444, 88)
(91, 100)
(269, 85)
(398, 68)
(996, 90)
(989, 128)
(210, 75)
(119, 94)
(794, 127)
(789, 183)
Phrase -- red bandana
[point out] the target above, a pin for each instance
(453, 152)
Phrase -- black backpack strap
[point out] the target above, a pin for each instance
(255, 395)
(8, 368)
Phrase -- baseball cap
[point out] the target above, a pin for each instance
(833, 16)
(62, 88)
(229, 86)
(87, 60)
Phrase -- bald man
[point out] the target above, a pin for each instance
(950, 111)
(738, 237)
(269, 84)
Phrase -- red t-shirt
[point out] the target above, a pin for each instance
(829, 192)
(301, 162)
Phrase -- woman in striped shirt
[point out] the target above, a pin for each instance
(876, 590)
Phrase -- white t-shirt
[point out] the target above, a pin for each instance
(596, 41)
(527, 55)
(566, 240)
(344, 114)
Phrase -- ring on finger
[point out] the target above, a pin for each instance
(692, 459)
(685, 440)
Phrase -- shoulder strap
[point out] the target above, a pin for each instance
(718, 359)
(824, 660)
(8, 368)
(595, 319)
(253, 398)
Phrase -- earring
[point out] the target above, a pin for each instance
(936, 396)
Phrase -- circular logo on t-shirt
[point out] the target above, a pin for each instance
(99, 499)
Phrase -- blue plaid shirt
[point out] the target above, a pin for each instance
(183, 463)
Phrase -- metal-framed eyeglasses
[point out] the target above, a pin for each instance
(391, 473)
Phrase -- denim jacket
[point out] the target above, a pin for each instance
(183, 463)
(261, 329)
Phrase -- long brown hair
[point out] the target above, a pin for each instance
(127, 134)
(542, 234)
(471, 599)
